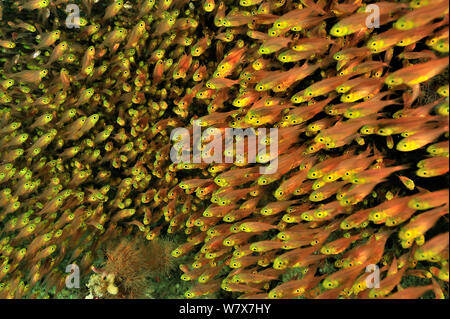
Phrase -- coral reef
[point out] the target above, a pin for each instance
(93, 105)
(128, 267)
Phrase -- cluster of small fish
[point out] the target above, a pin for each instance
(86, 114)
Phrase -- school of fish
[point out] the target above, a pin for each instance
(362, 112)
